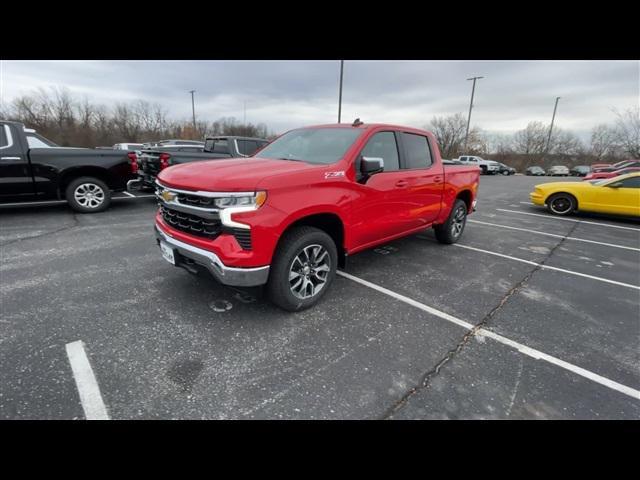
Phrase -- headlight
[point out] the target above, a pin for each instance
(255, 200)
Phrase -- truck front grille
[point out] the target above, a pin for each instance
(196, 200)
(189, 223)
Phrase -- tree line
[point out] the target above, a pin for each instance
(70, 121)
(532, 145)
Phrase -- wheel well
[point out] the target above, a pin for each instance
(465, 196)
(69, 176)
(575, 200)
(331, 224)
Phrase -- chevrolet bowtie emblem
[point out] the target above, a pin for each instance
(167, 195)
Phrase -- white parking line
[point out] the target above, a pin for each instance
(90, 397)
(551, 217)
(531, 352)
(528, 203)
(548, 267)
(555, 235)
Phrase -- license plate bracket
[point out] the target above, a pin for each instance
(168, 253)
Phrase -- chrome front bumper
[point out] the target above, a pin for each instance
(237, 277)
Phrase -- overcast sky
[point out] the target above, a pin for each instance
(288, 94)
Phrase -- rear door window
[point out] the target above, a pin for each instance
(5, 137)
(247, 147)
(416, 151)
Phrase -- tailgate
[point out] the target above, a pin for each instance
(149, 162)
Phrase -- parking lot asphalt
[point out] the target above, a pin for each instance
(529, 316)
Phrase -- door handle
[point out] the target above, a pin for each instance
(402, 183)
(437, 179)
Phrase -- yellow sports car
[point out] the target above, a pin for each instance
(619, 196)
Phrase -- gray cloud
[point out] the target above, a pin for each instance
(287, 94)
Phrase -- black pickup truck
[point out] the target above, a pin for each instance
(34, 169)
(153, 159)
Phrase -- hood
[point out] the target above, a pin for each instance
(229, 175)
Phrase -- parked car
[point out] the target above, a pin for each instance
(451, 162)
(558, 170)
(290, 215)
(164, 143)
(617, 166)
(580, 170)
(33, 169)
(128, 146)
(600, 175)
(535, 170)
(618, 196)
(506, 169)
(152, 160)
(487, 167)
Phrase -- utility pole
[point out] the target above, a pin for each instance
(546, 150)
(473, 90)
(193, 110)
(340, 95)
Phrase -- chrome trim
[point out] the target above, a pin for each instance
(238, 277)
(211, 214)
(7, 131)
(208, 194)
(235, 141)
(10, 158)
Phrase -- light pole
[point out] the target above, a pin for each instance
(340, 94)
(546, 150)
(193, 110)
(473, 90)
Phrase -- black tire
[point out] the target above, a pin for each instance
(506, 172)
(96, 198)
(279, 288)
(483, 170)
(446, 233)
(561, 204)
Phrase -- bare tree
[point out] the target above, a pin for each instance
(603, 142)
(531, 141)
(628, 131)
(449, 132)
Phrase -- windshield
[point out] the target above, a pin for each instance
(313, 145)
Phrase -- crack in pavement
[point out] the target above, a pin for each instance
(428, 376)
(75, 224)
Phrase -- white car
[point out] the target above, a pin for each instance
(560, 170)
(488, 167)
(128, 146)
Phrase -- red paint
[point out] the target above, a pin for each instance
(164, 160)
(388, 206)
(602, 175)
(133, 161)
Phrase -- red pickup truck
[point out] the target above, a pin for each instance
(290, 215)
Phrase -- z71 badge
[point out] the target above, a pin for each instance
(333, 175)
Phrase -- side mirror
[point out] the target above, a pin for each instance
(371, 165)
